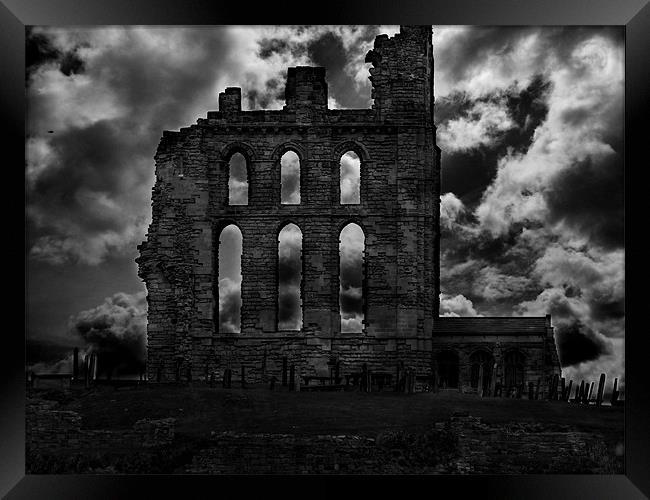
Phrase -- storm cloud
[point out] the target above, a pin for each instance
(116, 331)
(530, 122)
(99, 98)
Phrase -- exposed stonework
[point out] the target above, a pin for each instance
(398, 212)
(462, 445)
(49, 429)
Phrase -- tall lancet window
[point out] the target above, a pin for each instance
(350, 179)
(237, 180)
(351, 278)
(290, 178)
(290, 278)
(228, 317)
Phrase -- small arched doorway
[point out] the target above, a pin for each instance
(447, 369)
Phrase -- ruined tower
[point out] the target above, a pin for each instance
(398, 212)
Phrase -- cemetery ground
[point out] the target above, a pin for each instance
(416, 432)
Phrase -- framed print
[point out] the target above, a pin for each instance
(260, 247)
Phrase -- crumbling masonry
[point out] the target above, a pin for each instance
(398, 212)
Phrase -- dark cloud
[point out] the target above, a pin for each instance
(290, 269)
(606, 310)
(588, 197)
(472, 47)
(262, 98)
(528, 109)
(561, 41)
(289, 308)
(91, 160)
(83, 199)
(229, 306)
(88, 194)
(329, 51)
(39, 50)
(90, 181)
(577, 343)
(116, 331)
(270, 46)
(467, 172)
(71, 64)
(534, 173)
(351, 272)
(351, 301)
(509, 252)
(157, 84)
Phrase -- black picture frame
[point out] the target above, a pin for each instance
(633, 14)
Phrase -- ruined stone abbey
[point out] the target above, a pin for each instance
(398, 211)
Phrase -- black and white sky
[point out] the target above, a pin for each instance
(530, 123)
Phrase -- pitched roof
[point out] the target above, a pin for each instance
(524, 325)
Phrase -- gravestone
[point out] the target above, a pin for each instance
(568, 391)
(601, 389)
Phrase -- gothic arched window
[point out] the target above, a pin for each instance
(290, 278)
(350, 178)
(478, 360)
(290, 179)
(229, 303)
(237, 180)
(351, 278)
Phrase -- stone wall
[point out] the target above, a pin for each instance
(526, 448)
(238, 453)
(495, 346)
(49, 429)
(463, 445)
(398, 212)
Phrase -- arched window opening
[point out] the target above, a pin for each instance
(290, 178)
(351, 278)
(350, 180)
(290, 278)
(229, 280)
(238, 180)
(481, 363)
(514, 369)
(447, 369)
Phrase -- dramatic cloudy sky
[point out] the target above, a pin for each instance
(530, 122)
